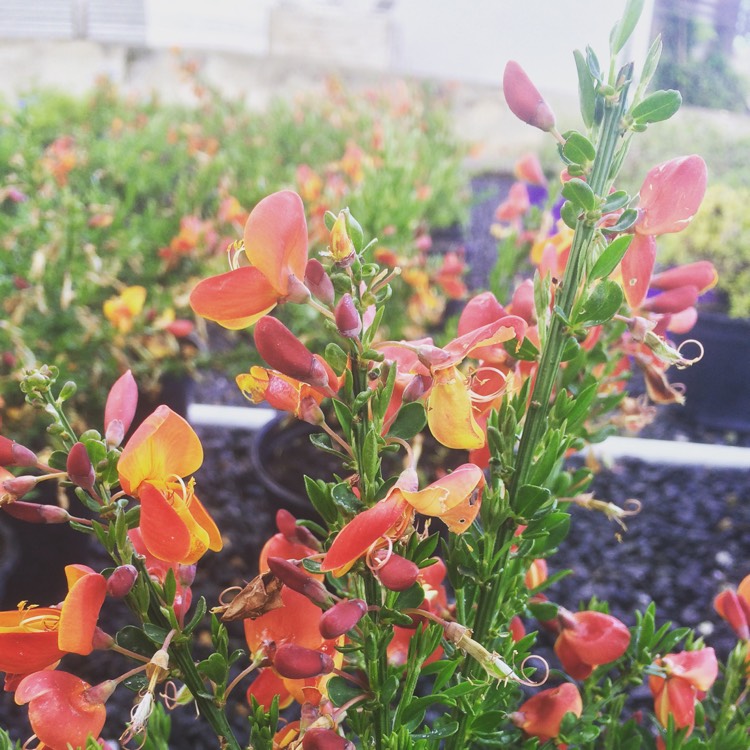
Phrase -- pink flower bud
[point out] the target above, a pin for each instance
(19, 486)
(398, 573)
(121, 403)
(342, 617)
(186, 574)
(102, 641)
(286, 523)
(115, 433)
(121, 581)
(319, 282)
(348, 319)
(36, 513)
(15, 454)
(79, 468)
(417, 387)
(284, 352)
(298, 580)
(671, 195)
(298, 663)
(309, 411)
(318, 738)
(524, 100)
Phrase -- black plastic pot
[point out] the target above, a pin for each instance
(716, 388)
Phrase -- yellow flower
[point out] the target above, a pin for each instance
(121, 311)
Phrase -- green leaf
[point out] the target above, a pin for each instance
(604, 300)
(615, 201)
(336, 357)
(389, 689)
(579, 193)
(380, 405)
(341, 691)
(134, 639)
(627, 218)
(370, 457)
(410, 421)
(611, 257)
(438, 733)
(657, 107)
(214, 668)
(58, 460)
(345, 499)
(321, 500)
(543, 611)
(529, 499)
(411, 598)
(625, 26)
(156, 633)
(169, 587)
(200, 610)
(344, 416)
(578, 149)
(581, 406)
(569, 214)
(586, 89)
(651, 63)
(527, 351)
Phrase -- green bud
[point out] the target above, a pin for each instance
(67, 391)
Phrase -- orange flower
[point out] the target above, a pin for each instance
(36, 638)
(588, 639)
(275, 244)
(175, 526)
(688, 675)
(541, 715)
(734, 607)
(63, 709)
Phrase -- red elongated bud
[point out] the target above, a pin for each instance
(318, 738)
(121, 581)
(36, 513)
(348, 319)
(186, 574)
(15, 454)
(122, 401)
(417, 387)
(342, 617)
(398, 573)
(298, 580)
(79, 467)
(19, 486)
(524, 100)
(284, 352)
(319, 282)
(298, 663)
(286, 523)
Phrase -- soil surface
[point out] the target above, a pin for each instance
(691, 538)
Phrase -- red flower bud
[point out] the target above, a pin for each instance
(341, 618)
(298, 580)
(524, 100)
(297, 663)
(318, 738)
(19, 486)
(15, 454)
(319, 282)
(79, 467)
(286, 523)
(121, 581)
(284, 352)
(398, 573)
(186, 574)
(36, 513)
(417, 387)
(121, 403)
(348, 319)
(180, 328)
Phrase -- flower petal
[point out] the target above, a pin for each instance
(636, 268)
(449, 412)
(80, 610)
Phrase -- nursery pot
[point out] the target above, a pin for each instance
(716, 392)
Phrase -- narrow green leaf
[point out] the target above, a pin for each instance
(628, 217)
(321, 499)
(200, 610)
(611, 257)
(651, 63)
(344, 415)
(345, 499)
(529, 499)
(439, 732)
(625, 26)
(370, 457)
(657, 107)
(586, 89)
(336, 357)
(604, 300)
(615, 201)
(170, 587)
(580, 194)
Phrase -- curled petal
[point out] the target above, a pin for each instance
(450, 413)
(80, 611)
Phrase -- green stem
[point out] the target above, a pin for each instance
(375, 657)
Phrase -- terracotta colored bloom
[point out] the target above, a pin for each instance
(688, 675)
(541, 715)
(121, 311)
(63, 709)
(589, 639)
(275, 245)
(734, 607)
(279, 391)
(35, 638)
(174, 524)
(671, 195)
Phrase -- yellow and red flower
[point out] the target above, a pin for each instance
(175, 526)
